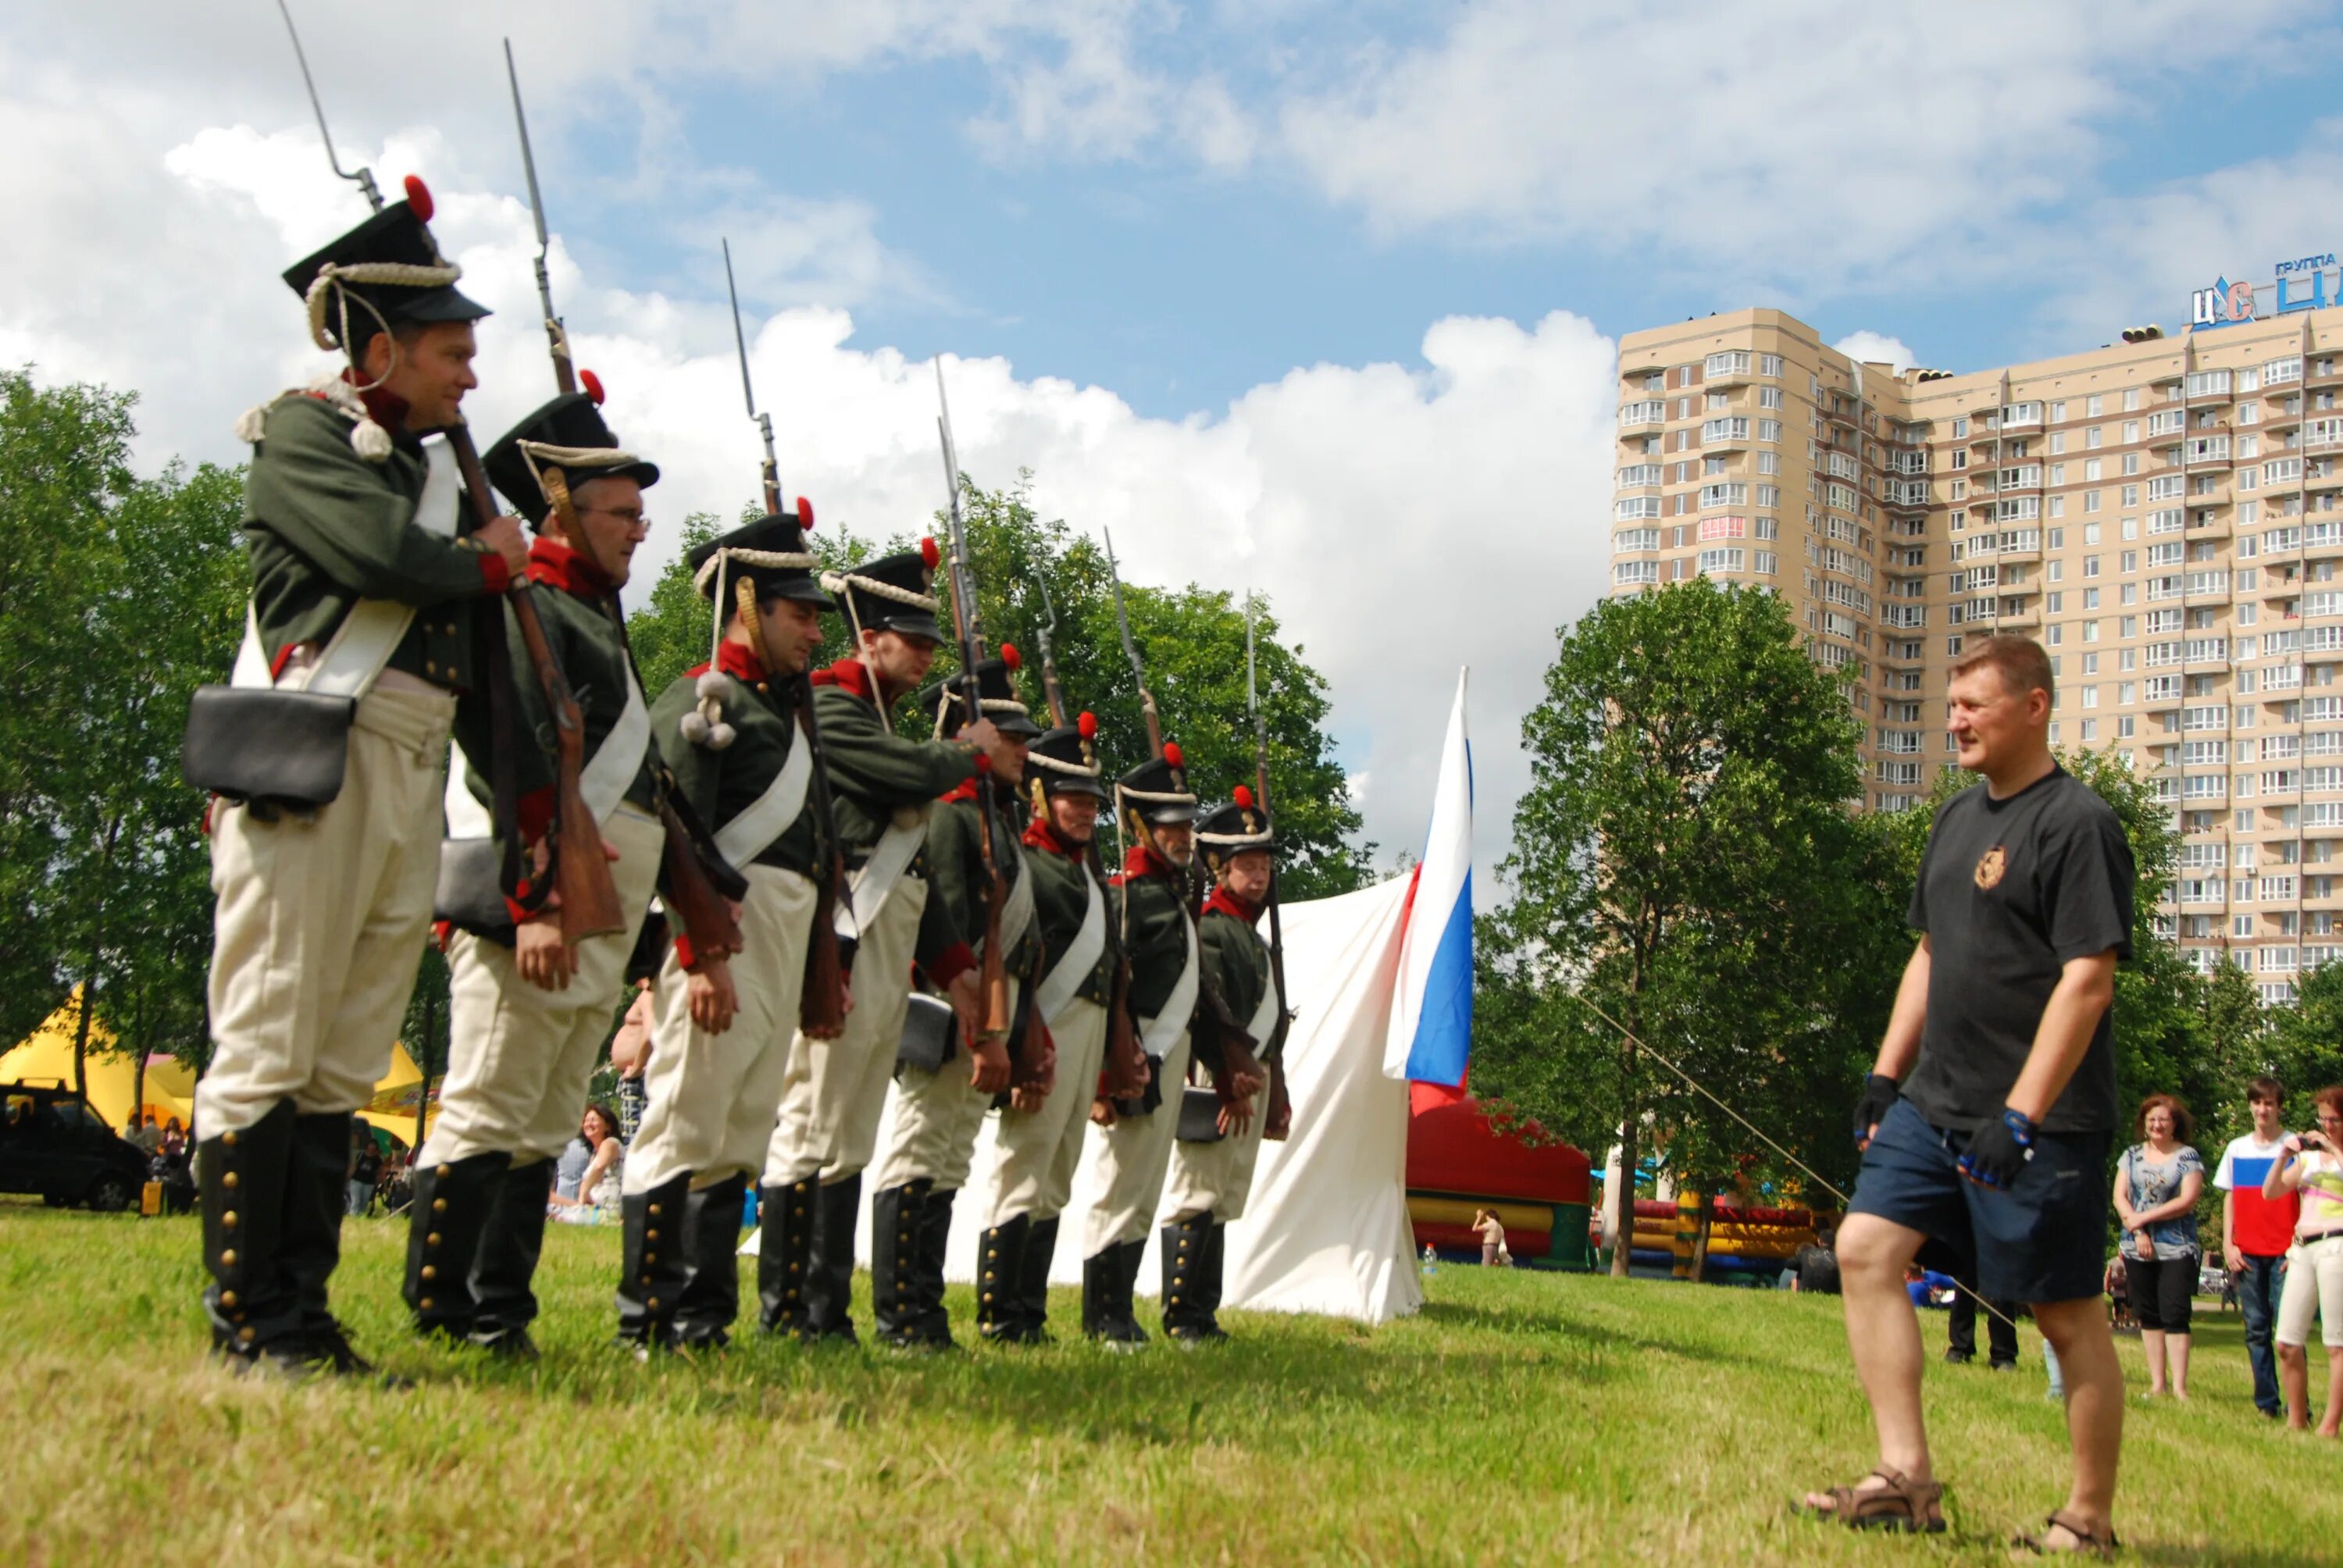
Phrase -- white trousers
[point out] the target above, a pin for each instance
(712, 1097)
(1132, 1156)
(1215, 1178)
(320, 924)
(518, 1058)
(834, 1089)
(937, 1118)
(1039, 1150)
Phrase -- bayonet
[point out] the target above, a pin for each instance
(748, 391)
(1130, 652)
(564, 373)
(363, 177)
(1049, 692)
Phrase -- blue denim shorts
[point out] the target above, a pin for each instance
(2041, 1240)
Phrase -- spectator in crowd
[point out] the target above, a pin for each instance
(2255, 1232)
(1960, 1325)
(599, 1130)
(366, 1166)
(1927, 1287)
(2157, 1183)
(1492, 1231)
(147, 1135)
(2310, 1168)
(175, 1143)
(2118, 1285)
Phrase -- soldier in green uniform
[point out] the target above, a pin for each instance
(940, 1109)
(731, 734)
(1040, 1145)
(883, 786)
(1210, 1178)
(1158, 937)
(365, 587)
(528, 1014)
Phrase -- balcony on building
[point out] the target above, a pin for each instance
(1729, 367)
(2322, 542)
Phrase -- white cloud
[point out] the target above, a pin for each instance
(1874, 348)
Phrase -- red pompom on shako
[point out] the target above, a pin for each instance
(1244, 798)
(1087, 723)
(1171, 754)
(592, 383)
(929, 554)
(1012, 658)
(418, 200)
(805, 513)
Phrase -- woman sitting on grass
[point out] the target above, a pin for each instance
(597, 1130)
(2309, 1164)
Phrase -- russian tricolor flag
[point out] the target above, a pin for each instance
(1431, 1010)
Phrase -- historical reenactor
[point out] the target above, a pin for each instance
(1041, 1146)
(1211, 1176)
(730, 733)
(940, 1105)
(528, 1014)
(1151, 903)
(365, 584)
(884, 786)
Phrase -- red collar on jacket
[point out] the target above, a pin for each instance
(386, 409)
(1224, 902)
(735, 661)
(1041, 834)
(848, 675)
(1141, 860)
(559, 564)
(963, 790)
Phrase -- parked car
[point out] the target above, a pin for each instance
(53, 1143)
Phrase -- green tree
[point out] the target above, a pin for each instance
(2304, 1043)
(1685, 861)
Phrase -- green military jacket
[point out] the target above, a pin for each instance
(873, 774)
(955, 858)
(593, 656)
(326, 528)
(720, 785)
(1151, 906)
(1060, 894)
(1236, 959)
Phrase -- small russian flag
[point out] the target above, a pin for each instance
(1432, 1007)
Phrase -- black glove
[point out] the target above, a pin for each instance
(1879, 1093)
(1999, 1148)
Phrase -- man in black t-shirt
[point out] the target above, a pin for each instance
(1986, 1121)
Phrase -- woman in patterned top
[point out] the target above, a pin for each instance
(2309, 1164)
(2157, 1183)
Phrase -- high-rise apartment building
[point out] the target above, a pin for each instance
(2166, 516)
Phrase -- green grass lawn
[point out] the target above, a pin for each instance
(1522, 1418)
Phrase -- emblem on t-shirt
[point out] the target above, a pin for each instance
(1989, 870)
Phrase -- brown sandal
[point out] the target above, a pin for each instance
(2088, 1543)
(1903, 1504)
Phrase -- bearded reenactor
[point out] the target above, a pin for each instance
(940, 1105)
(1040, 1145)
(1212, 1175)
(730, 733)
(1160, 938)
(528, 1014)
(883, 786)
(327, 753)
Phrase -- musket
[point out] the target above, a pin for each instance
(565, 376)
(821, 1008)
(695, 880)
(589, 898)
(1125, 1060)
(969, 625)
(1130, 652)
(1275, 1052)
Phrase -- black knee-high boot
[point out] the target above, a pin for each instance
(1187, 1244)
(999, 1266)
(784, 1255)
(240, 1179)
(317, 1199)
(829, 1274)
(712, 1297)
(1033, 1281)
(895, 1216)
(934, 1236)
(453, 1201)
(504, 1272)
(655, 1252)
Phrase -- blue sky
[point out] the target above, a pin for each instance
(1314, 299)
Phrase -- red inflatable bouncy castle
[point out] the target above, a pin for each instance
(1456, 1162)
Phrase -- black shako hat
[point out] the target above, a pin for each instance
(1157, 789)
(568, 434)
(995, 694)
(1064, 760)
(385, 273)
(769, 552)
(1227, 831)
(891, 594)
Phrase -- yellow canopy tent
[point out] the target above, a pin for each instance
(46, 1056)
